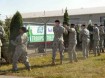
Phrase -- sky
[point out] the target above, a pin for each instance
(9, 7)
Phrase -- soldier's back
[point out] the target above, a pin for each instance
(72, 36)
(96, 35)
(85, 35)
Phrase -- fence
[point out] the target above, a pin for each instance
(41, 36)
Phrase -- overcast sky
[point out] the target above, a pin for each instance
(8, 7)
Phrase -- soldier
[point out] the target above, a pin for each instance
(2, 33)
(21, 49)
(72, 43)
(85, 38)
(96, 39)
(101, 28)
(58, 41)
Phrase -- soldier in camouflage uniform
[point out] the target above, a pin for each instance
(85, 38)
(21, 49)
(2, 33)
(58, 41)
(96, 39)
(72, 43)
(101, 28)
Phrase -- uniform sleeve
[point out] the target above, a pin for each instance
(68, 29)
(65, 31)
(24, 39)
(16, 42)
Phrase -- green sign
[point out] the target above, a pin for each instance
(36, 33)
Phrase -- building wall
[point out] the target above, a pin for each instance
(77, 19)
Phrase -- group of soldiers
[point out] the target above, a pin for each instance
(86, 36)
(92, 36)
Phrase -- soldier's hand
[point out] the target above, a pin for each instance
(65, 26)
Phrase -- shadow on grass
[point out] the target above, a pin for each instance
(43, 66)
(100, 59)
(67, 59)
(6, 72)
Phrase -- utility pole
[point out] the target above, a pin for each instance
(45, 34)
(45, 21)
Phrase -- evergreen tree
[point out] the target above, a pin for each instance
(66, 17)
(66, 21)
(7, 28)
(15, 25)
(5, 40)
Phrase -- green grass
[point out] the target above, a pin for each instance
(93, 67)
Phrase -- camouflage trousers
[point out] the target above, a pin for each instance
(96, 48)
(20, 54)
(72, 52)
(101, 43)
(85, 48)
(57, 45)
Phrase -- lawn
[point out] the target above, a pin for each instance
(93, 67)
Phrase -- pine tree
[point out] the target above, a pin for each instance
(15, 25)
(66, 21)
(5, 40)
(66, 17)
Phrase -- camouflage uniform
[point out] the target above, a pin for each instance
(58, 41)
(85, 38)
(101, 38)
(72, 44)
(2, 33)
(20, 51)
(96, 39)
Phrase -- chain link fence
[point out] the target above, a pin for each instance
(42, 44)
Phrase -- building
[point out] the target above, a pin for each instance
(77, 16)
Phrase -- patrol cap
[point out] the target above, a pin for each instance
(83, 25)
(57, 21)
(24, 29)
(72, 25)
(101, 25)
(95, 25)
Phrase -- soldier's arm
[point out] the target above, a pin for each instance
(67, 28)
(25, 39)
(18, 41)
(65, 31)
